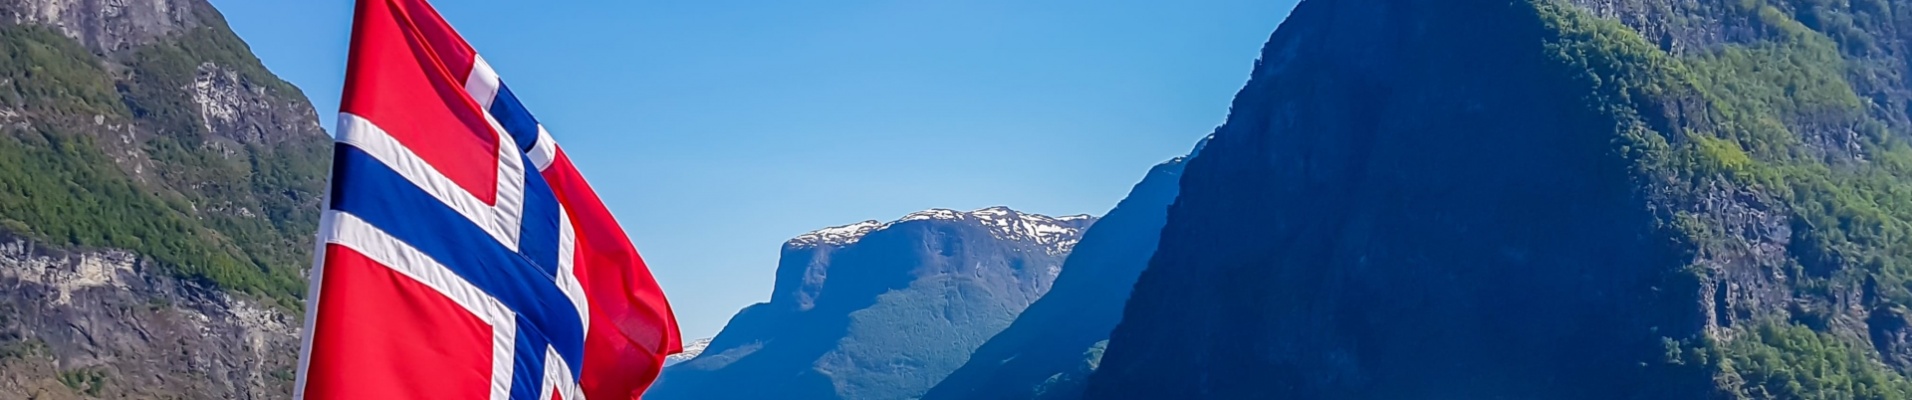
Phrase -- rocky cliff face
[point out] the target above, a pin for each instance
(1542, 199)
(158, 191)
(98, 324)
(880, 310)
(108, 26)
(1045, 352)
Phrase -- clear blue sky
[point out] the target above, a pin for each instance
(717, 129)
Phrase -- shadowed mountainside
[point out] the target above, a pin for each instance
(1048, 352)
(1592, 199)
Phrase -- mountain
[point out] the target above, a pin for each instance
(1588, 199)
(878, 310)
(158, 193)
(691, 350)
(1041, 355)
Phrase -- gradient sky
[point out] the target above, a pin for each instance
(717, 129)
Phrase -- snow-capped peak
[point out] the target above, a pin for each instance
(837, 235)
(937, 213)
(691, 350)
(1058, 234)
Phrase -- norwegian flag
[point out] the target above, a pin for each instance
(462, 256)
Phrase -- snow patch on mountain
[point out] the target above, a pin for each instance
(837, 235)
(1058, 234)
(691, 350)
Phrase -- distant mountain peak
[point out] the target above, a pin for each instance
(1057, 234)
(881, 310)
(692, 349)
(837, 235)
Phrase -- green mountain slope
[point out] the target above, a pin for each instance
(158, 194)
(191, 153)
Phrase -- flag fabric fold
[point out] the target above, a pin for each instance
(461, 255)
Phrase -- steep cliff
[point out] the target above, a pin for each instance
(79, 324)
(880, 310)
(158, 192)
(1592, 199)
(1043, 353)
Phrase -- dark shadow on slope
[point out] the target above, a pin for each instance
(1049, 339)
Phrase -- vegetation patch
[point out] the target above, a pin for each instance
(87, 381)
(1782, 118)
(1785, 361)
(23, 349)
(242, 224)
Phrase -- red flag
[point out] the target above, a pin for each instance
(462, 255)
